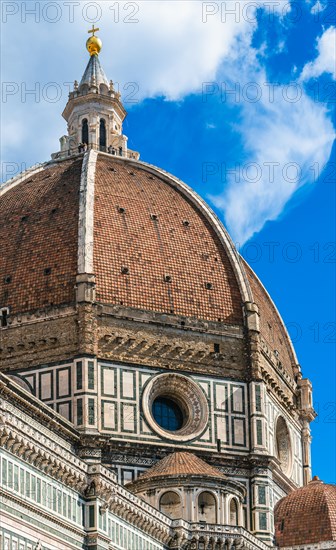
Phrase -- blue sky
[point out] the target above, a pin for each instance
(239, 105)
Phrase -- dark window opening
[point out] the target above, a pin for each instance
(167, 414)
(4, 318)
(79, 375)
(79, 412)
(90, 375)
(8, 280)
(102, 135)
(47, 271)
(91, 516)
(91, 411)
(120, 152)
(216, 348)
(85, 131)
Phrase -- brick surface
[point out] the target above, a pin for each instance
(38, 232)
(271, 327)
(191, 255)
(306, 516)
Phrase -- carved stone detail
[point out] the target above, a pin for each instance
(189, 397)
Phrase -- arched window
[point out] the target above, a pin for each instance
(85, 131)
(170, 504)
(233, 512)
(102, 135)
(207, 508)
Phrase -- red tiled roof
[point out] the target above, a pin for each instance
(191, 255)
(38, 232)
(307, 515)
(177, 464)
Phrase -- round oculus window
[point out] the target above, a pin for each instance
(167, 414)
(175, 407)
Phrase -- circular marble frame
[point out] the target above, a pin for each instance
(187, 395)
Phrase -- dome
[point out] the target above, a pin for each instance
(181, 464)
(307, 515)
(153, 249)
(150, 241)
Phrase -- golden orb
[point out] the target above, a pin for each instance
(94, 45)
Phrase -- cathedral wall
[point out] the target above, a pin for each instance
(107, 397)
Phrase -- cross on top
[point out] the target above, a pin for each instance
(93, 30)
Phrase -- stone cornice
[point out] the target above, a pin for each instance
(276, 365)
(172, 320)
(94, 98)
(275, 388)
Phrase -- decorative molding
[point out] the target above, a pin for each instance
(86, 208)
(188, 395)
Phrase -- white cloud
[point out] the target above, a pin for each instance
(284, 143)
(317, 8)
(325, 62)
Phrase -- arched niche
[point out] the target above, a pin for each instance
(103, 89)
(207, 507)
(85, 131)
(84, 89)
(233, 512)
(102, 135)
(283, 445)
(170, 504)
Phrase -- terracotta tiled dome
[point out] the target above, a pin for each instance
(307, 515)
(182, 464)
(154, 245)
(145, 229)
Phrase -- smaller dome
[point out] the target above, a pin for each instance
(307, 515)
(181, 464)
